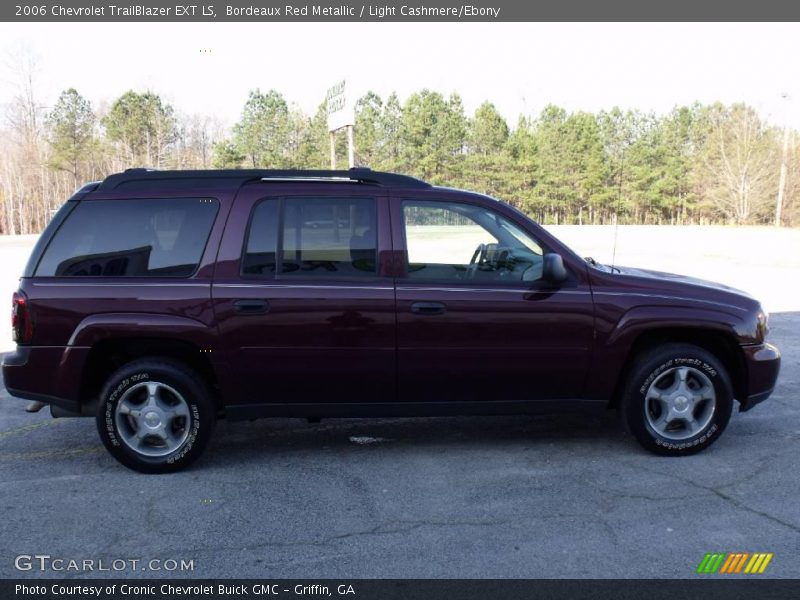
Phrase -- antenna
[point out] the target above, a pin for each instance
(616, 212)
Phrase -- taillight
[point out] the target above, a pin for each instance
(21, 324)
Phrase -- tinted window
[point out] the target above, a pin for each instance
(461, 242)
(262, 240)
(131, 238)
(329, 237)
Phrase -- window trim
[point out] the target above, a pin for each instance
(47, 236)
(143, 278)
(536, 285)
(278, 275)
(246, 239)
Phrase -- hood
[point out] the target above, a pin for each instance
(682, 280)
(644, 281)
(642, 287)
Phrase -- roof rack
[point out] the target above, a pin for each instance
(228, 178)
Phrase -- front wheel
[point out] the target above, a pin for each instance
(155, 415)
(677, 399)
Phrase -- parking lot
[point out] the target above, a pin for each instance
(523, 497)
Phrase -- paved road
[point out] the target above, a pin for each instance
(457, 497)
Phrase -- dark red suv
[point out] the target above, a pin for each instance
(160, 301)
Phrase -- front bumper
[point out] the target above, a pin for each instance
(763, 362)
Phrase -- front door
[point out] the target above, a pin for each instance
(476, 320)
(305, 312)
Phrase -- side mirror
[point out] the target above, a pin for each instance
(553, 268)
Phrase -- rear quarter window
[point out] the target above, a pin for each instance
(130, 238)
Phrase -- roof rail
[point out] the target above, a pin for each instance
(140, 177)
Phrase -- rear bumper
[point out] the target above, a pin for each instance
(49, 374)
(763, 362)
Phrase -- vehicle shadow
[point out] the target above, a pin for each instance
(248, 441)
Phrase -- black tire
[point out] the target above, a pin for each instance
(663, 361)
(189, 386)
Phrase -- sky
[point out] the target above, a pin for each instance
(520, 67)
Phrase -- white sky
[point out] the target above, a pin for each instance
(519, 67)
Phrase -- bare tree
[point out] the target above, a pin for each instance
(195, 139)
(23, 168)
(740, 162)
(791, 207)
(24, 115)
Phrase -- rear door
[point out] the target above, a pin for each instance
(303, 300)
(476, 321)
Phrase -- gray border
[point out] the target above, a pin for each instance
(363, 11)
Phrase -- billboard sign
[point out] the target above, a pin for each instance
(340, 107)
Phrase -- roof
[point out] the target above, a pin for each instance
(145, 179)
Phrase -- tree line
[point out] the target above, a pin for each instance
(701, 164)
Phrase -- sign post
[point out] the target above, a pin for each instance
(341, 115)
(351, 147)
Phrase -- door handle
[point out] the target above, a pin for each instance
(428, 308)
(251, 307)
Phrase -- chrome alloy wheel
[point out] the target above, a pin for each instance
(680, 403)
(152, 419)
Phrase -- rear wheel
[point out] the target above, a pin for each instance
(677, 399)
(155, 415)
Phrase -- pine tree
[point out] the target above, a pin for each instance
(262, 134)
(368, 111)
(143, 125)
(71, 128)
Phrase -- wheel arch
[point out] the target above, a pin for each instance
(109, 354)
(721, 345)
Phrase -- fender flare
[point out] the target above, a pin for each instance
(641, 319)
(613, 350)
(99, 327)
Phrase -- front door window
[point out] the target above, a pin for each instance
(452, 241)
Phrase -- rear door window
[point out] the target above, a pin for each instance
(333, 237)
(131, 238)
(329, 237)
